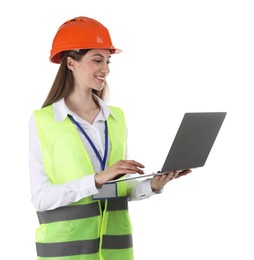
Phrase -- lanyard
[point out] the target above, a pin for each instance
(102, 161)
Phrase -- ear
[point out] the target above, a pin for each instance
(70, 63)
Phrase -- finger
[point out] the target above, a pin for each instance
(175, 174)
(129, 167)
(135, 163)
(166, 177)
(156, 177)
(184, 172)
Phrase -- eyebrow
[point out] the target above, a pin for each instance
(97, 54)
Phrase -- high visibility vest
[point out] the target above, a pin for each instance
(81, 231)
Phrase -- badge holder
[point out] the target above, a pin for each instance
(107, 191)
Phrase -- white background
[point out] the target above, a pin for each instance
(178, 56)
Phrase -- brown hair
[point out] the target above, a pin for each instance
(64, 81)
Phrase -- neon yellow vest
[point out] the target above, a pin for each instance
(81, 231)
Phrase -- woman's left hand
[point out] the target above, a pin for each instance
(159, 181)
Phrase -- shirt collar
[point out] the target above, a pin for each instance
(61, 111)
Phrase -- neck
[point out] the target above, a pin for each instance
(81, 101)
(83, 105)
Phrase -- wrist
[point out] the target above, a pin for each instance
(153, 188)
(98, 180)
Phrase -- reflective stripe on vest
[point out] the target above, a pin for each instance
(83, 247)
(116, 242)
(69, 213)
(80, 211)
(67, 248)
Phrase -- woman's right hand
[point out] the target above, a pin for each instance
(120, 168)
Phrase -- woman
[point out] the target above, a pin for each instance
(77, 145)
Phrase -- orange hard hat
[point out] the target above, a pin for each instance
(80, 33)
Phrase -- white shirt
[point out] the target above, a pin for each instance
(47, 196)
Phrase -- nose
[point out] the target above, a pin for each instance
(105, 68)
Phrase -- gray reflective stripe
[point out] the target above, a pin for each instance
(117, 241)
(69, 213)
(67, 248)
(121, 203)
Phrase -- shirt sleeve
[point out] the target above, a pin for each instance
(138, 190)
(44, 194)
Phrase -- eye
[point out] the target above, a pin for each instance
(97, 61)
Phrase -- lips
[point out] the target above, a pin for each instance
(102, 79)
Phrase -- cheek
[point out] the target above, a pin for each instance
(85, 73)
(89, 69)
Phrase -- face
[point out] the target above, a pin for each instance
(92, 70)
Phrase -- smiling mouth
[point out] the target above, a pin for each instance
(101, 79)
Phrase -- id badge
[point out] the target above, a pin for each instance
(107, 191)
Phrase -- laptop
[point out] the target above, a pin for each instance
(192, 143)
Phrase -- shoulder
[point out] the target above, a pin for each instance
(115, 109)
(43, 111)
(116, 112)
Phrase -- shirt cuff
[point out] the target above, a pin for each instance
(142, 190)
(87, 186)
